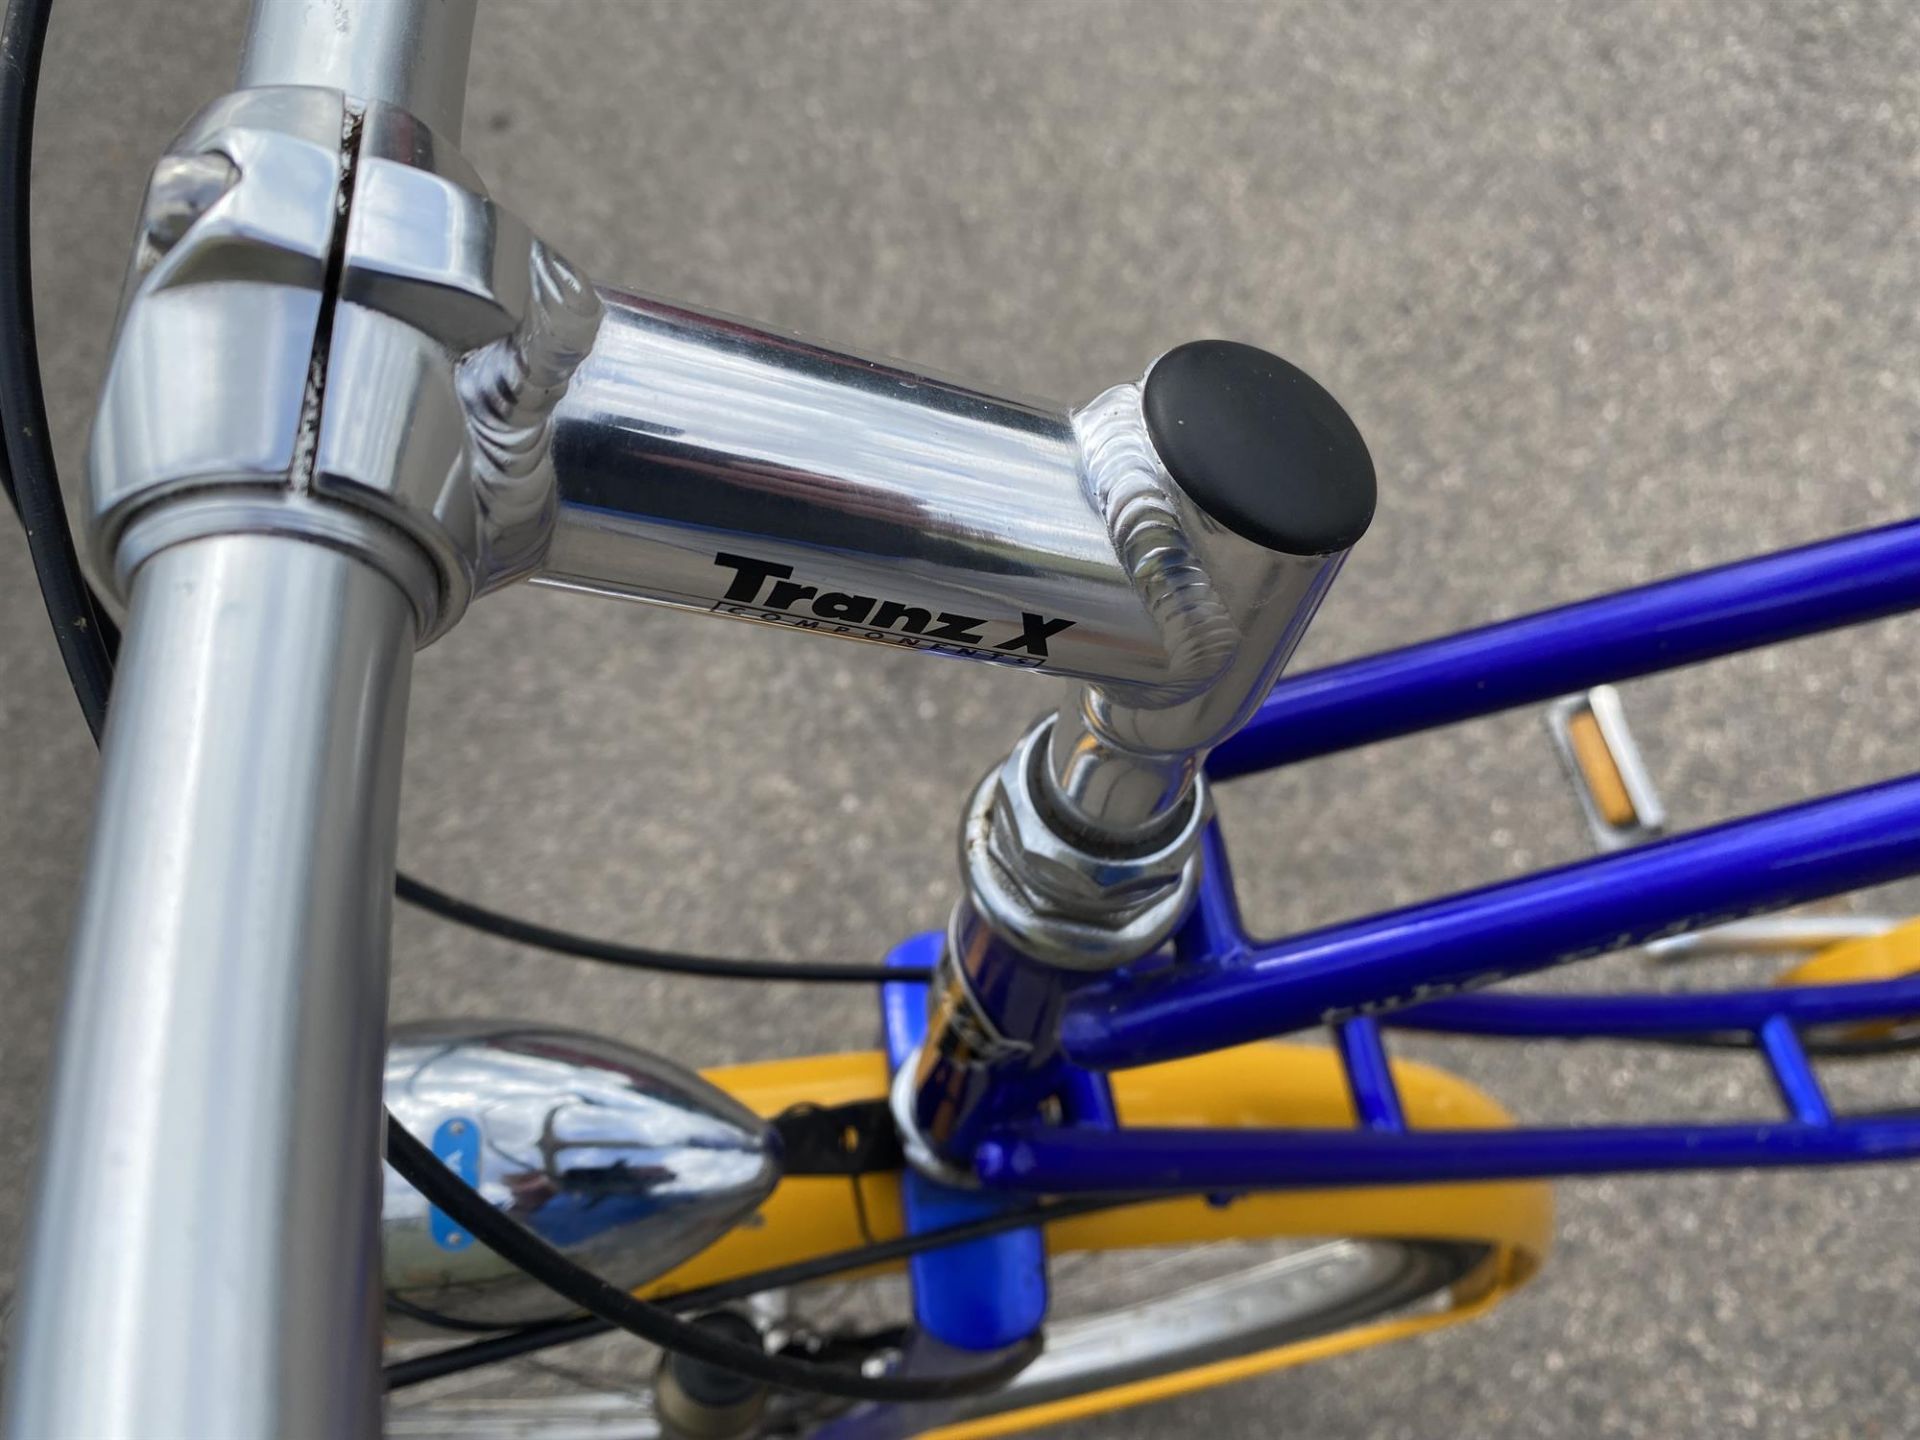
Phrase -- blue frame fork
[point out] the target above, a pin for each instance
(1418, 967)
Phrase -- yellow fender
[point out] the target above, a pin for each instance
(1872, 957)
(1261, 1085)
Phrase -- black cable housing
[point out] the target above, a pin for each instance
(607, 952)
(527, 1252)
(529, 1339)
(32, 482)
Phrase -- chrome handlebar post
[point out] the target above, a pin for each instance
(1238, 487)
(708, 464)
(1165, 545)
(203, 1254)
(410, 54)
(203, 1257)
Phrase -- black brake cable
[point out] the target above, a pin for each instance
(81, 626)
(529, 1339)
(527, 1252)
(565, 942)
(32, 482)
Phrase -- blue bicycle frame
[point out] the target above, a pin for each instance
(1412, 967)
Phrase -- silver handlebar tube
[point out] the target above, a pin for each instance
(408, 53)
(204, 1253)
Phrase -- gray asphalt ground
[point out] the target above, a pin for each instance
(1613, 291)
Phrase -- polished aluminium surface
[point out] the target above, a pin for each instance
(713, 465)
(708, 464)
(399, 341)
(411, 54)
(453, 334)
(1082, 852)
(202, 1260)
(625, 1161)
(1122, 759)
(210, 369)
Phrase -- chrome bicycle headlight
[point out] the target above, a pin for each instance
(625, 1161)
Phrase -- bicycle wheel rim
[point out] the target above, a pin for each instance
(1295, 1296)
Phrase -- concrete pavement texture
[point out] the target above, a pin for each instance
(1613, 292)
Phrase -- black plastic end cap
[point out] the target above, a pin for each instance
(1258, 444)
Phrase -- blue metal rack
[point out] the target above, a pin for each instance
(1430, 966)
(1383, 1149)
(1093, 1152)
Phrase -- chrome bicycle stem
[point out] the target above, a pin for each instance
(1238, 485)
(1165, 544)
(709, 464)
(411, 54)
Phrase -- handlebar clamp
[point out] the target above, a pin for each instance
(329, 329)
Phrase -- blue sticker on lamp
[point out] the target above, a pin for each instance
(457, 1144)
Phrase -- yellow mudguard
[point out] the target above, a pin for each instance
(1261, 1085)
(1872, 957)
